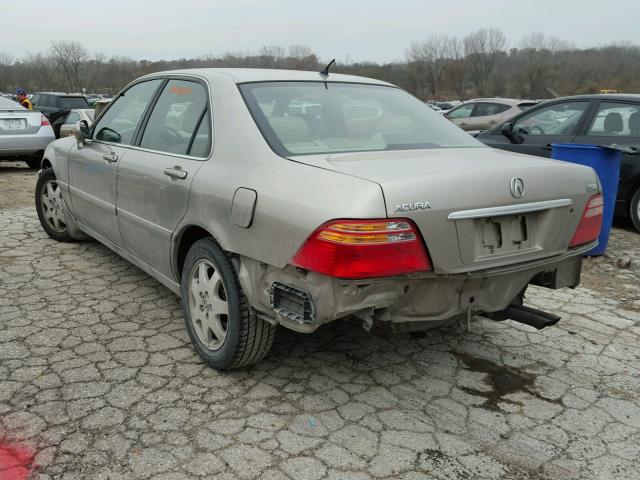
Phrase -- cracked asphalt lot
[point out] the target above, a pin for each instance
(98, 381)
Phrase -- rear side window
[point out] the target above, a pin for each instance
(201, 144)
(44, 101)
(616, 119)
(488, 109)
(176, 118)
(119, 123)
(68, 103)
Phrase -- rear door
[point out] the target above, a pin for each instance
(617, 122)
(93, 167)
(539, 127)
(154, 179)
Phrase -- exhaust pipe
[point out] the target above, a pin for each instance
(529, 316)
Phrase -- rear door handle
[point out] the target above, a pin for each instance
(175, 173)
(110, 157)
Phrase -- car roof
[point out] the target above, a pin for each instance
(60, 94)
(247, 75)
(634, 97)
(505, 101)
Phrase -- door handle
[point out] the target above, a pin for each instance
(492, 122)
(463, 124)
(175, 173)
(110, 157)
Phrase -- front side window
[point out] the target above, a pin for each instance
(300, 118)
(556, 119)
(176, 117)
(43, 101)
(616, 119)
(72, 102)
(463, 111)
(119, 123)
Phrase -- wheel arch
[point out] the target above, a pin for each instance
(187, 236)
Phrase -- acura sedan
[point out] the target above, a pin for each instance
(274, 197)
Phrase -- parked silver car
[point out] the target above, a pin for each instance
(68, 123)
(483, 113)
(24, 134)
(253, 195)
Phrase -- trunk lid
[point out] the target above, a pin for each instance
(19, 121)
(461, 200)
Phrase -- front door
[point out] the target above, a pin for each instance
(93, 167)
(154, 179)
(540, 127)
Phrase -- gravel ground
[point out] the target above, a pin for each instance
(98, 381)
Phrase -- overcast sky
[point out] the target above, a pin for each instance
(358, 29)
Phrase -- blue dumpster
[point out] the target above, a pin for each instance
(606, 162)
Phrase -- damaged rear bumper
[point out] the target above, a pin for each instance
(302, 300)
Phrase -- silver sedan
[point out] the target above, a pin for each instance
(24, 134)
(274, 197)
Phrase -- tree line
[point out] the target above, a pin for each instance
(436, 68)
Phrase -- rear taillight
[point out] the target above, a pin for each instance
(44, 122)
(364, 249)
(590, 223)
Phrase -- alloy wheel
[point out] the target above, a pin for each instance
(208, 304)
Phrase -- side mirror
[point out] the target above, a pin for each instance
(82, 132)
(507, 131)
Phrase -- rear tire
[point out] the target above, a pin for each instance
(634, 209)
(223, 328)
(50, 207)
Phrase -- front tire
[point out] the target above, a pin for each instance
(50, 206)
(35, 161)
(222, 327)
(634, 210)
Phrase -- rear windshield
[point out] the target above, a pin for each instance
(73, 102)
(299, 118)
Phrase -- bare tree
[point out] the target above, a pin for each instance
(71, 58)
(6, 72)
(482, 49)
(41, 71)
(430, 59)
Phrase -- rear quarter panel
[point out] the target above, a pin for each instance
(293, 199)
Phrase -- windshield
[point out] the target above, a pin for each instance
(299, 118)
